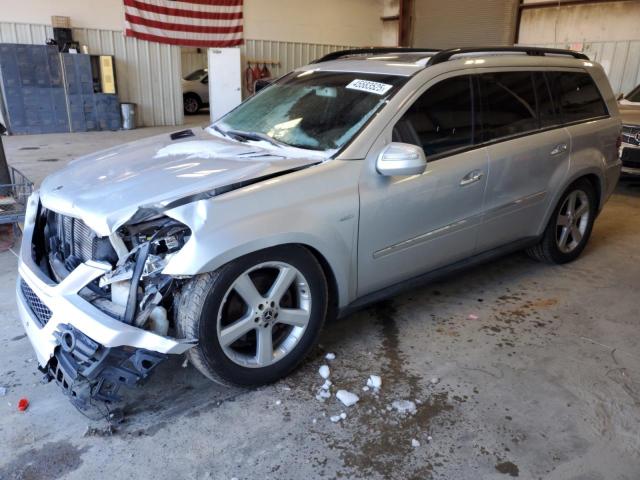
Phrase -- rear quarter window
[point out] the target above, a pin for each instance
(577, 96)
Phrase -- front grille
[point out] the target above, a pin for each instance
(631, 134)
(39, 309)
(630, 157)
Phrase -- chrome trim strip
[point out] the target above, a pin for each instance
(460, 224)
(515, 205)
(423, 237)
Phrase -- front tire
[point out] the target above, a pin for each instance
(569, 227)
(256, 317)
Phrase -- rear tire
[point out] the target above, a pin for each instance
(192, 103)
(569, 227)
(255, 318)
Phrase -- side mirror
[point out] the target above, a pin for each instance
(401, 159)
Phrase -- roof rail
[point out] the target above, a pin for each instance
(444, 55)
(372, 51)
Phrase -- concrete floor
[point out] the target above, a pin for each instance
(544, 383)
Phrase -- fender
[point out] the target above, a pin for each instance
(290, 210)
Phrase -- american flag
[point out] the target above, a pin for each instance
(189, 23)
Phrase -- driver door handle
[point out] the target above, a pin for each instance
(471, 177)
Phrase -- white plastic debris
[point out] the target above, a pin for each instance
(435, 380)
(429, 438)
(343, 415)
(314, 421)
(404, 407)
(324, 371)
(415, 443)
(347, 398)
(185, 364)
(374, 381)
(365, 389)
(335, 418)
(326, 385)
(330, 356)
(278, 402)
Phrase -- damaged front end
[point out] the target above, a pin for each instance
(132, 290)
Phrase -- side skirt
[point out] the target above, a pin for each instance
(437, 274)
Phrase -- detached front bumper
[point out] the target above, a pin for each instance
(48, 310)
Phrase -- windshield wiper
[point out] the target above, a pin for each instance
(255, 136)
(220, 131)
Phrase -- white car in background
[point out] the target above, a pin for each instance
(195, 91)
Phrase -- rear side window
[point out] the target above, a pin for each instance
(508, 102)
(577, 96)
(441, 119)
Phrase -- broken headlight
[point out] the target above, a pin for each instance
(137, 291)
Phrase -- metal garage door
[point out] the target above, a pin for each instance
(464, 23)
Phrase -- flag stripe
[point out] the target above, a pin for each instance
(182, 41)
(218, 3)
(132, 12)
(158, 32)
(199, 7)
(179, 27)
(178, 12)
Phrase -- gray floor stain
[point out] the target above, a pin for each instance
(50, 461)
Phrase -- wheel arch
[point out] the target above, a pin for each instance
(334, 265)
(592, 175)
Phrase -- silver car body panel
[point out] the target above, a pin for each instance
(371, 231)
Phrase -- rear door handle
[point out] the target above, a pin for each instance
(471, 177)
(558, 149)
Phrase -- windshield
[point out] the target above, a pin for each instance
(197, 75)
(313, 110)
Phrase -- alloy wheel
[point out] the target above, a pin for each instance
(572, 221)
(264, 314)
(191, 105)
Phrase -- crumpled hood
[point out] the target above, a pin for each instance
(105, 189)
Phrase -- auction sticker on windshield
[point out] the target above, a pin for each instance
(369, 86)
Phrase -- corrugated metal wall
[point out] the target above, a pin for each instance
(148, 74)
(621, 60)
(289, 55)
(463, 23)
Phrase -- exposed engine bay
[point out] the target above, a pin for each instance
(133, 291)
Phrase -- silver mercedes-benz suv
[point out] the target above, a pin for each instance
(340, 184)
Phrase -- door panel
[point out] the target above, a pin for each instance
(521, 173)
(410, 225)
(523, 161)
